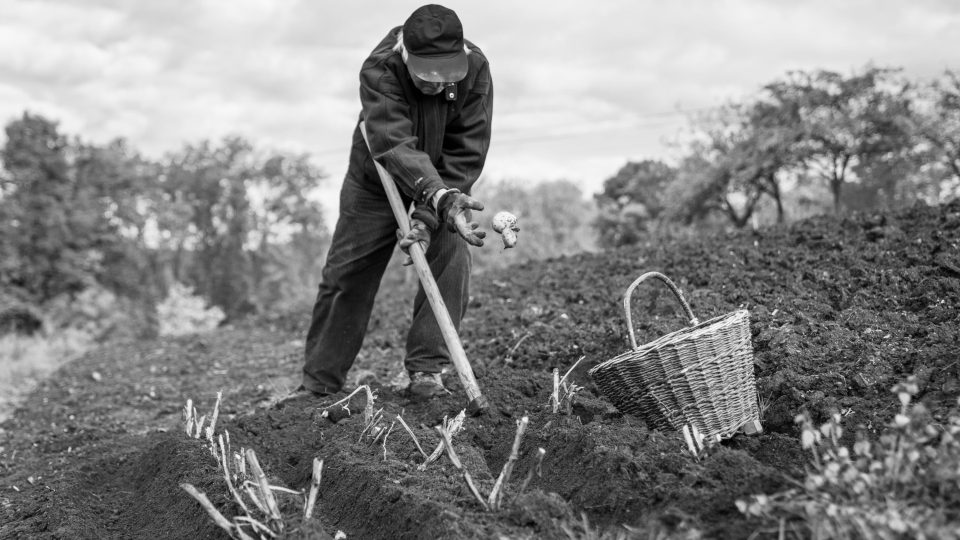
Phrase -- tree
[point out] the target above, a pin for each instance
(293, 234)
(747, 151)
(855, 134)
(206, 184)
(119, 184)
(940, 129)
(52, 227)
(846, 122)
(631, 200)
(239, 226)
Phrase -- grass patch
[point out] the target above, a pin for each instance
(27, 360)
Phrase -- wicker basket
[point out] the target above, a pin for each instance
(701, 375)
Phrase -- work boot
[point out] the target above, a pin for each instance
(300, 394)
(425, 385)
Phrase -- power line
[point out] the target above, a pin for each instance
(661, 114)
(632, 124)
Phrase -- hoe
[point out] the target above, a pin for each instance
(477, 403)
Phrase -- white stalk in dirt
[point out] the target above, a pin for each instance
(496, 494)
(253, 493)
(413, 436)
(494, 501)
(449, 428)
(564, 392)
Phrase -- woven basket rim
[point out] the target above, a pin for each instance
(689, 333)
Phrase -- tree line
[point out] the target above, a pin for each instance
(811, 141)
(232, 222)
(99, 232)
(238, 226)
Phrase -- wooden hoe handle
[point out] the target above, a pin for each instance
(478, 403)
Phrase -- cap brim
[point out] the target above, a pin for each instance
(438, 70)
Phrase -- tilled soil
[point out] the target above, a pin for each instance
(841, 309)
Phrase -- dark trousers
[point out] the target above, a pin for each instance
(363, 242)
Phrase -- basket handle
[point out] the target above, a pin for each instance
(673, 288)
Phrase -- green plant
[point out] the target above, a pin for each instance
(906, 484)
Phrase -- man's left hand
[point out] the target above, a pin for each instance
(455, 208)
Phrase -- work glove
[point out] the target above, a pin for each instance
(419, 232)
(423, 221)
(454, 209)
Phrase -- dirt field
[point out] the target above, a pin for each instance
(841, 309)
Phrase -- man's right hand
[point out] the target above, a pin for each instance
(454, 208)
(419, 233)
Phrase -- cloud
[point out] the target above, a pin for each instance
(580, 87)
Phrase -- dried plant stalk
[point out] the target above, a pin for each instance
(282, 489)
(241, 464)
(384, 445)
(452, 454)
(569, 371)
(268, 498)
(369, 417)
(256, 525)
(348, 398)
(213, 418)
(199, 426)
(412, 435)
(188, 417)
(253, 493)
(451, 428)
(535, 468)
(496, 494)
(564, 391)
(226, 475)
(201, 498)
(370, 424)
(555, 396)
(314, 488)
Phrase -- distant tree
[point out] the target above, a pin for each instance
(631, 200)
(241, 228)
(940, 129)
(119, 184)
(236, 224)
(52, 227)
(206, 195)
(856, 135)
(947, 108)
(746, 150)
(846, 121)
(293, 236)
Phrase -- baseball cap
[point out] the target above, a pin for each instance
(433, 37)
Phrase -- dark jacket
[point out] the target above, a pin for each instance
(425, 142)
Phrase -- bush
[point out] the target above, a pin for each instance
(904, 485)
(181, 312)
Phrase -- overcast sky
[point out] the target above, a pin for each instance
(581, 87)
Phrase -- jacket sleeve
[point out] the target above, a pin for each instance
(392, 142)
(468, 136)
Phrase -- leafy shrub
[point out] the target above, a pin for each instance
(182, 312)
(904, 485)
(100, 313)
